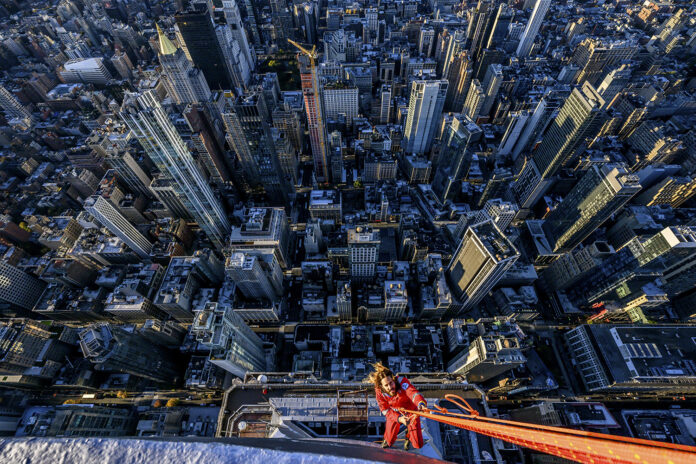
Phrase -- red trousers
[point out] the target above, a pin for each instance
(413, 433)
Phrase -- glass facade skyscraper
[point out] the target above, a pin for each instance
(198, 31)
(598, 194)
(579, 120)
(424, 112)
(151, 126)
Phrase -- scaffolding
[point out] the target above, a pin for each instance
(352, 412)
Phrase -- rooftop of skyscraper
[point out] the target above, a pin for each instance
(240, 261)
(258, 224)
(395, 291)
(363, 234)
(494, 240)
(323, 197)
(645, 354)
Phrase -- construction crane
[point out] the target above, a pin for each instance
(320, 132)
(575, 445)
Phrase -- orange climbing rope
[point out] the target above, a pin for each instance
(577, 445)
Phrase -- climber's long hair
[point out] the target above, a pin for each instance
(381, 371)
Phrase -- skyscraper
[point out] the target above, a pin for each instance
(596, 196)
(668, 257)
(111, 218)
(488, 57)
(305, 15)
(130, 171)
(282, 19)
(115, 350)
(517, 123)
(12, 107)
(234, 20)
(578, 264)
(474, 100)
(88, 71)
(287, 156)
(340, 98)
(25, 343)
(499, 33)
(264, 232)
(424, 113)
(344, 301)
(184, 276)
(248, 124)
(614, 82)
(18, 287)
(578, 120)
(186, 83)
(163, 144)
(668, 247)
(652, 143)
(488, 355)
(335, 46)
(426, 40)
(123, 64)
(164, 188)
(234, 346)
(491, 84)
(385, 103)
(363, 248)
(459, 80)
(453, 44)
(238, 66)
(532, 29)
(543, 115)
(500, 212)
(198, 32)
(288, 120)
(498, 186)
(254, 278)
(482, 21)
(596, 58)
(252, 12)
(208, 143)
(315, 117)
(483, 256)
(395, 300)
(372, 18)
(455, 156)
(672, 252)
(673, 191)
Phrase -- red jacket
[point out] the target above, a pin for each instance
(406, 397)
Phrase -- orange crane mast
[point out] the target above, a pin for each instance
(313, 55)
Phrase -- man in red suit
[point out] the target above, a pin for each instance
(393, 393)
